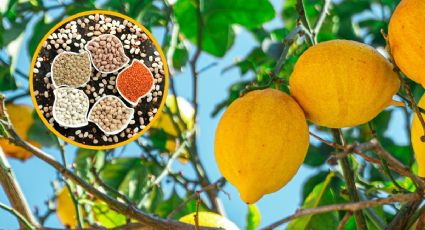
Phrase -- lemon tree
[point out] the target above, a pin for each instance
(305, 111)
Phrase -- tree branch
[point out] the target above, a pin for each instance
(131, 211)
(352, 207)
(215, 185)
(321, 19)
(199, 168)
(25, 224)
(14, 193)
(349, 180)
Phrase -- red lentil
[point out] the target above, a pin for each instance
(135, 81)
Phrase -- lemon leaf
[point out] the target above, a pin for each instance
(253, 218)
(322, 194)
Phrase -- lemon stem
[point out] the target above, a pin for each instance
(349, 180)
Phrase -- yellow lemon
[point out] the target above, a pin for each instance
(210, 219)
(22, 119)
(260, 142)
(65, 209)
(406, 38)
(343, 83)
(418, 146)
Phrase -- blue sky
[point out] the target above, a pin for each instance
(35, 176)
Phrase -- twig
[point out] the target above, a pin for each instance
(99, 181)
(207, 67)
(74, 199)
(349, 180)
(287, 42)
(13, 191)
(196, 216)
(302, 17)
(175, 155)
(352, 207)
(120, 207)
(413, 105)
(199, 168)
(403, 170)
(320, 20)
(400, 221)
(344, 220)
(18, 96)
(421, 221)
(330, 144)
(18, 215)
(215, 185)
(406, 87)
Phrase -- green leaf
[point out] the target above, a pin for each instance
(253, 218)
(39, 133)
(159, 139)
(180, 57)
(218, 16)
(7, 81)
(322, 194)
(234, 93)
(86, 159)
(165, 207)
(3, 131)
(107, 217)
(311, 182)
(317, 155)
(130, 176)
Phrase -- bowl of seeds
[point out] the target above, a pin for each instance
(135, 82)
(70, 107)
(110, 114)
(71, 69)
(98, 79)
(107, 53)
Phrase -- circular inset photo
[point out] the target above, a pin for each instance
(98, 79)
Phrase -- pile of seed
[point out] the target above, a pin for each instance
(71, 69)
(107, 53)
(135, 82)
(111, 114)
(70, 107)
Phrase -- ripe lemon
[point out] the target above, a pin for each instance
(22, 119)
(209, 219)
(343, 83)
(260, 142)
(406, 38)
(418, 146)
(65, 209)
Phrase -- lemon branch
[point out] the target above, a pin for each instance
(22, 220)
(351, 207)
(287, 42)
(411, 100)
(68, 185)
(303, 20)
(320, 20)
(194, 156)
(349, 180)
(14, 193)
(131, 211)
(216, 185)
(374, 145)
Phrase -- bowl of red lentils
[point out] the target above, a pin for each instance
(98, 79)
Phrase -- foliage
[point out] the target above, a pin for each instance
(133, 177)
